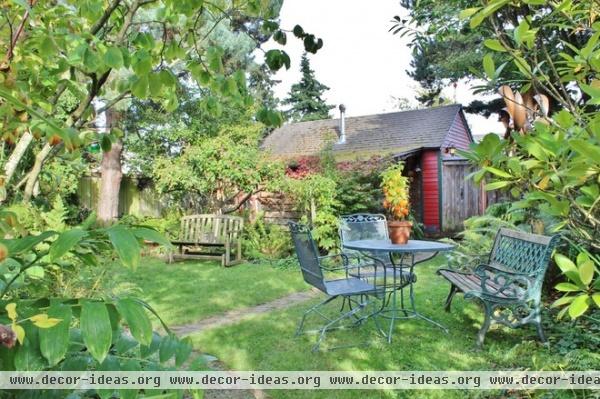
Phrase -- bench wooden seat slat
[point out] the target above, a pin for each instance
(213, 231)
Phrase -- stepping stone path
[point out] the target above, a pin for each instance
(234, 316)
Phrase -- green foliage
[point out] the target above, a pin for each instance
(219, 169)
(305, 98)
(315, 199)
(266, 241)
(582, 289)
(552, 169)
(67, 56)
(75, 333)
(474, 244)
(358, 186)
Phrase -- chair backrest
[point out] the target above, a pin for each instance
(521, 252)
(365, 226)
(209, 228)
(308, 255)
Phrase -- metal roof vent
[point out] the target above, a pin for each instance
(342, 108)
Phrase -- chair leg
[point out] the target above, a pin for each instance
(327, 326)
(227, 255)
(453, 291)
(486, 325)
(312, 309)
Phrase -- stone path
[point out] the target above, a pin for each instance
(233, 316)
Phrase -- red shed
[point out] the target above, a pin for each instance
(426, 139)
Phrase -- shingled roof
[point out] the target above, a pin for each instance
(394, 132)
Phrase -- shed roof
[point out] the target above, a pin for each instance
(392, 132)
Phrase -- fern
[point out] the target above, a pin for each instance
(56, 218)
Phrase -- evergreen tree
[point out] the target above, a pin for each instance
(305, 96)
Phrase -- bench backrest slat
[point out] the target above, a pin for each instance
(521, 252)
(210, 228)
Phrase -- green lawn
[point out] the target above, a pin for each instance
(188, 292)
(185, 292)
(266, 342)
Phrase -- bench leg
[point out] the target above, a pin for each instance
(227, 256)
(486, 325)
(453, 291)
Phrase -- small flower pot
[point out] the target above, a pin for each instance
(399, 231)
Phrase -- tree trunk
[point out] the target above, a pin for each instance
(13, 161)
(111, 175)
(34, 173)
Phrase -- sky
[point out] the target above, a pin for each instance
(363, 64)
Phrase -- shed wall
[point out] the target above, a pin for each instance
(431, 197)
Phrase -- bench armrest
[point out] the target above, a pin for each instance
(511, 285)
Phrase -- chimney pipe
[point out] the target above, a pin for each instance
(342, 108)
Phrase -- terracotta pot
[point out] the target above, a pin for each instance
(399, 231)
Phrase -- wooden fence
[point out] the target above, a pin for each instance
(135, 197)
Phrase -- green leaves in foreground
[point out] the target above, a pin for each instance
(96, 329)
(582, 289)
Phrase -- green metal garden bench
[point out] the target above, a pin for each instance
(510, 284)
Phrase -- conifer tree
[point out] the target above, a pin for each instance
(305, 97)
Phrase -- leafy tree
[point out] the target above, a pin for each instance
(115, 50)
(305, 97)
(447, 46)
(550, 164)
(224, 170)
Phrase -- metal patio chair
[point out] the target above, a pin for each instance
(367, 226)
(341, 285)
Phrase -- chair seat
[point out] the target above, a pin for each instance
(347, 286)
(404, 278)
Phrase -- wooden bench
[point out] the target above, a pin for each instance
(210, 237)
(510, 284)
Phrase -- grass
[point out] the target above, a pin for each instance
(185, 292)
(191, 291)
(266, 342)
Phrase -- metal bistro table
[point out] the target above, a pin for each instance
(406, 262)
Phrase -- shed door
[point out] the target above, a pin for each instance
(460, 197)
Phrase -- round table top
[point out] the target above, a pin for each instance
(410, 246)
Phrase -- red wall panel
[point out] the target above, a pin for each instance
(431, 195)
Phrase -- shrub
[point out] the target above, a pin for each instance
(266, 241)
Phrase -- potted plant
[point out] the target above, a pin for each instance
(396, 192)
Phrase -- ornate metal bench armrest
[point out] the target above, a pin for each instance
(504, 284)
